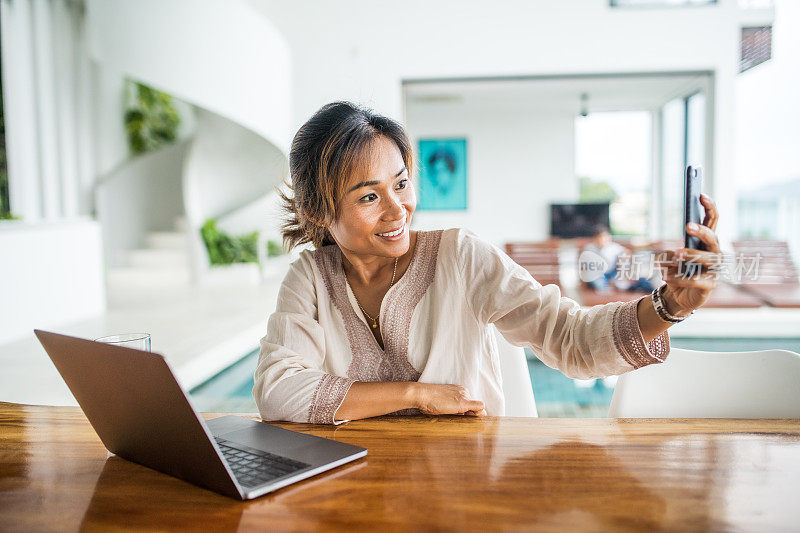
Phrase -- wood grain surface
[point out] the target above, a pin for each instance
(428, 474)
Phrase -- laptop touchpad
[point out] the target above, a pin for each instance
(272, 439)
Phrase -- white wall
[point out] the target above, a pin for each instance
(144, 194)
(767, 110)
(228, 167)
(264, 214)
(111, 142)
(517, 163)
(221, 56)
(50, 274)
(361, 50)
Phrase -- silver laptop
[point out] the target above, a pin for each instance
(142, 414)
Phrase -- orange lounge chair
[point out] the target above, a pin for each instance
(776, 283)
(541, 259)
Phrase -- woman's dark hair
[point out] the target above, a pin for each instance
(326, 151)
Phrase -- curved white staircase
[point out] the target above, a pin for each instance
(233, 66)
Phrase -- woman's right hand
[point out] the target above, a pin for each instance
(435, 399)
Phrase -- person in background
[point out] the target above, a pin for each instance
(604, 246)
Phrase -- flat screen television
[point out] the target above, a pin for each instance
(577, 220)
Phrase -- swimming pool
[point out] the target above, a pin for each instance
(556, 395)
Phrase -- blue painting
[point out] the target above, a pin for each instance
(442, 174)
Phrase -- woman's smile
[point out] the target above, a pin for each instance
(396, 234)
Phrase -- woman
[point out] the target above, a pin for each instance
(379, 318)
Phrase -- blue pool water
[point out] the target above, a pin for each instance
(556, 395)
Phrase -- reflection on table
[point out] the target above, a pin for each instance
(428, 473)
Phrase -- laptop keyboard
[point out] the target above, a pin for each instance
(254, 467)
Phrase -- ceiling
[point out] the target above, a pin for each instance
(604, 93)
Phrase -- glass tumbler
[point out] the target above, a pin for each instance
(139, 341)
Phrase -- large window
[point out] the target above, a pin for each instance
(683, 142)
(673, 129)
(613, 154)
(695, 129)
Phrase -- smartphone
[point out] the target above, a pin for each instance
(691, 213)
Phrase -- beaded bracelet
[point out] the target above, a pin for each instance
(661, 308)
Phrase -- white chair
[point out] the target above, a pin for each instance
(517, 388)
(692, 384)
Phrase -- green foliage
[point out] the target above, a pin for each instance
(595, 191)
(224, 249)
(5, 213)
(274, 249)
(151, 121)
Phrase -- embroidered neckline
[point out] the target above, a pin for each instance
(369, 361)
(409, 271)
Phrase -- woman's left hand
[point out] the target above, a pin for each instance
(686, 293)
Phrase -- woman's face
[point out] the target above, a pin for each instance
(377, 201)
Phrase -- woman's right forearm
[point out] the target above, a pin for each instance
(366, 399)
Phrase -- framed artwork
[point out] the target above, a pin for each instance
(442, 174)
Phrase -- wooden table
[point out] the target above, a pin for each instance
(421, 474)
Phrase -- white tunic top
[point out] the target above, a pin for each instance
(435, 325)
